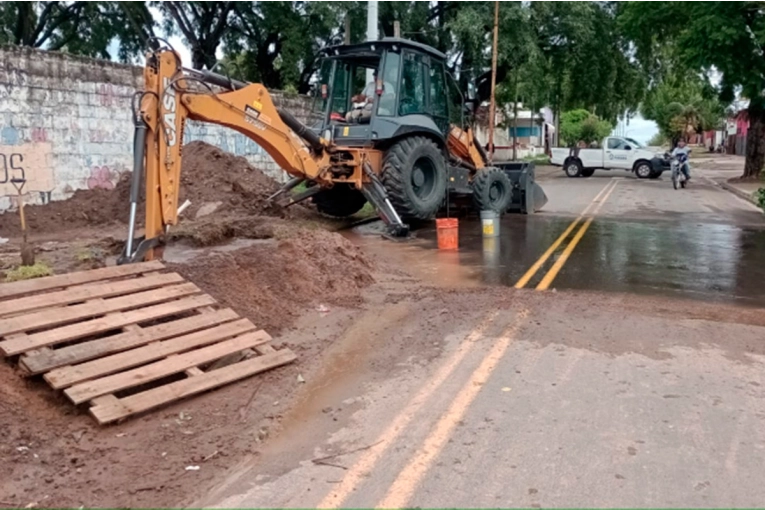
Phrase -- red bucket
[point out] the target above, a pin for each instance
(448, 233)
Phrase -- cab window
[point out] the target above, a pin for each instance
(413, 85)
(617, 144)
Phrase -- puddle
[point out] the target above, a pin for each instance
(706, 261)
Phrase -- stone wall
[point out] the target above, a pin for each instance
(65, 124)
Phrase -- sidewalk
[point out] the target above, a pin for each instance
(745, 190)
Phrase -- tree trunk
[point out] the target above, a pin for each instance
(755, 141)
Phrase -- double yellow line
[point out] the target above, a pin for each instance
(587, 215)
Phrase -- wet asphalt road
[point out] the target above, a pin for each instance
(542, 399)
(647, 238)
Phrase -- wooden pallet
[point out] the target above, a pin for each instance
(128, 338)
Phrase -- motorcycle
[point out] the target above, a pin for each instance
(676, 163)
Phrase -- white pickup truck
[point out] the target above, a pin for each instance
(615, 153)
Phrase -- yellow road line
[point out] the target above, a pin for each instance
(410, 477)
(554, 246)
(555, 269)
(358, 472)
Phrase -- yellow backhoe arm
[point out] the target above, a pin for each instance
(167, 102)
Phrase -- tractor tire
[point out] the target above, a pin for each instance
(414, 175)
(492, 190)
(339, 201)
(587, 172)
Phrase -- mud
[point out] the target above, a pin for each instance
(273, 282)
(208, 176)
(54, 455)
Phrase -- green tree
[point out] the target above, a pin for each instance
(84, 28)
(202, 25)
(581, 125)
(726, 36)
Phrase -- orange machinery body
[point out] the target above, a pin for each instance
(168, 102)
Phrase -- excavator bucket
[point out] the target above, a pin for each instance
(528, 196)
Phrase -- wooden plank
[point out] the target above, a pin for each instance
(193, 372)
(90, 389)
(104, 400)
(15, 289)
(67, 376)
(134, 336)
(91, 327)
(105, 289)
(265, 349)
(51, 318)
(164, 394)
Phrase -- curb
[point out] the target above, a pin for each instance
(749, 197)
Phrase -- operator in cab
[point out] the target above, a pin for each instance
(682, 153)
(361, 109)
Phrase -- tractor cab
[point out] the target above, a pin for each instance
(377, 91)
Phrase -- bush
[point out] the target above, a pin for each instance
(760, 195)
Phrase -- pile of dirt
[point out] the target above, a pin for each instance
(210, 178)
(274, 281)
(83, 209)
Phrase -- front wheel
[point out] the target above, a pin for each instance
(674, 180)
(414, 174)
(643, 169)
(492, 190)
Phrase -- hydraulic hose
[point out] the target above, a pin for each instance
(301, 130)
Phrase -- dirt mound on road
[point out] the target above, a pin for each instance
(273, 282)
(210, 178)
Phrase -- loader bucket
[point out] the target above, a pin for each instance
(528, 196)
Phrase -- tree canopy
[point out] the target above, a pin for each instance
(728, 37)
(563, 54)
(581, 125)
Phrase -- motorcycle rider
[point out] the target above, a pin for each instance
(682, 152)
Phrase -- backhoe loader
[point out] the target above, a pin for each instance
(407, 150)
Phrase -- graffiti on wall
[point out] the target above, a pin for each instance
(101, 177)
(31, 162)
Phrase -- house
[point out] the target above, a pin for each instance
(533, 131)
(736, 128)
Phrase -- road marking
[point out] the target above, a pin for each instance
(555, 269)
(357, 473)
(554, 246)
(410, 477)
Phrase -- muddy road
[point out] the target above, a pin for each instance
(607, 351)
(633, 379)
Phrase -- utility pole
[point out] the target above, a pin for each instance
(397, 28)
(372, 30)
(492, 105)
(347, 28)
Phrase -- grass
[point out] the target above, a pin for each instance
(539, 159)
(19, 273)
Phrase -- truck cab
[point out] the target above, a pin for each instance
(614, 153)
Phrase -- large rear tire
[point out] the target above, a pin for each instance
(414, 174)
(339, 201)
(492, 190)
